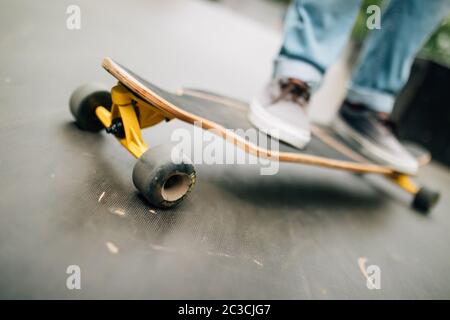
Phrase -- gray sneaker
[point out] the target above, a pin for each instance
(370, 133)
(279, 111)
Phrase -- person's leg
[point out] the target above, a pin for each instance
(315, 32)
(382, 71)
(385, 61)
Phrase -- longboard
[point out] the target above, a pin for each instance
(134, 104)
(226, 118)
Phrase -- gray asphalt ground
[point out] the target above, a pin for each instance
(66, 196)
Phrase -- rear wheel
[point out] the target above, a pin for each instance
(425, 199)
(83, 102)
(164, 176)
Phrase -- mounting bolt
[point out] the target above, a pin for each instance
(116, 128)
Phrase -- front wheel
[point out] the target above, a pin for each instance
(164, 176)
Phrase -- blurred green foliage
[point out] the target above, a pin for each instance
(438, 46)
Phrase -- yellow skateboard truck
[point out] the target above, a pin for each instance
(126, 118)
(163, 176)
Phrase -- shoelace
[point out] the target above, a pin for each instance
(297, 90)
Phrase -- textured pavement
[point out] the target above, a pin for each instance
(66, 196)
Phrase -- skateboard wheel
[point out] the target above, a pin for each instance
(164, 176)
(425, 199)
(83, 102)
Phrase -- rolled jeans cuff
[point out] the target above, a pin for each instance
(298, 69)
(373, 99)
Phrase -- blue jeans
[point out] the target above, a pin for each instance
(316, 31)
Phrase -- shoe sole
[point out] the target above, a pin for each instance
(275, 127)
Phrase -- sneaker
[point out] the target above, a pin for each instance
(280, 111)
(371, 134)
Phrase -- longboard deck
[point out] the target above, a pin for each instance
(224, 118)
(324, 134)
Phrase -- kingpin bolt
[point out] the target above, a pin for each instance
(116, 128)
